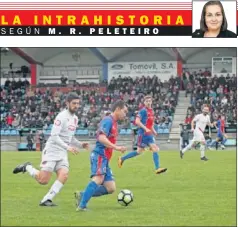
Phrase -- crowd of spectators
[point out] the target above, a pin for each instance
(23, 107)
(220, 93)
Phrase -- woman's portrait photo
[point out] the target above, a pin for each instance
(214, 19)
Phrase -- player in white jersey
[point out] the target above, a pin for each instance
(201, 120)
(55, 154)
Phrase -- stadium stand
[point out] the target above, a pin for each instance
(24, 108)
(220, 93)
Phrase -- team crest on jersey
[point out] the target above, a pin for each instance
(57, 122)
(71, 128)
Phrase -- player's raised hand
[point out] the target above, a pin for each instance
(73, 150)
(85, 145)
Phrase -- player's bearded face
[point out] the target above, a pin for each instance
(205, 111)
(73, 106)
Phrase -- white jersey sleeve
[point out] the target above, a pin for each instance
(56, 130)
(75, 142)
(208, 120)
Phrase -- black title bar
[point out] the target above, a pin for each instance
(95, 31)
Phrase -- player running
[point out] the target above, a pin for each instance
(102, 182)
(55, 155)
(202, 120)
(146, 133)
(221, 136)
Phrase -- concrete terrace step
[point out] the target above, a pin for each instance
(174, 137)
(179, 115)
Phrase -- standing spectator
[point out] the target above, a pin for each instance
(185, 137)
(30, 140)
(63, 80)
(42, 140)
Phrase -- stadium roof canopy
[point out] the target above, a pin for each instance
(41, 55)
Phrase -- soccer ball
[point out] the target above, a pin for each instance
(125, 197)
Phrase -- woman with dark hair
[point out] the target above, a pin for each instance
(213, 22)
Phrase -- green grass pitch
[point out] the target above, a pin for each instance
(190, 193)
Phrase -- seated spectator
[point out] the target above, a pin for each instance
(224, 101)
(17, 121)
(9, 120)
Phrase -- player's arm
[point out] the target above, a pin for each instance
(102, 138)
(192, 123)
(105, 141)
(209, 123)
(77, 143)
(138, 122)
(153, 130)
(104, 131)
(215, 125)
(55, 132)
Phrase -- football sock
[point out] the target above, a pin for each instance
(187, 147)
(88, 193)
(130, 155)
(213, 143)
(32, 171)
(101, 190)
(217, 145)
(224, 141)
(55, 189)
(156, 159)
(202, 149)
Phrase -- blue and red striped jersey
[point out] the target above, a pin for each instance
(108, 126)
(146, 116)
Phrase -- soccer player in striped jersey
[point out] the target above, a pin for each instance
(221, 135)
(102, 180)
(146, 133)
